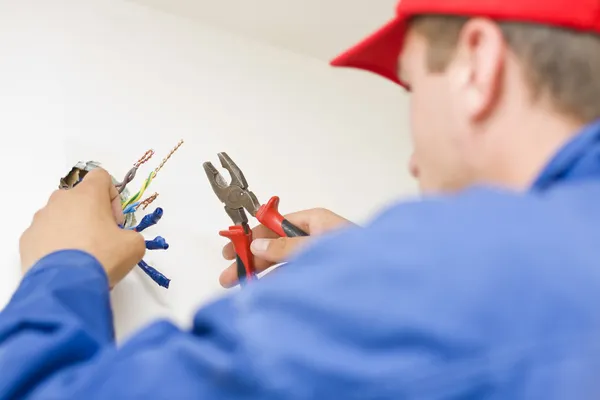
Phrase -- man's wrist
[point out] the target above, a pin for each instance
(68, 259)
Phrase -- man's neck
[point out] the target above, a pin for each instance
(528, 146)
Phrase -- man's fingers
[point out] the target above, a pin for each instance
(268, 249)
(259, 231)
(228, 252)
(117, 211)
(314, 221)
(136, 246)
(303, 220)
(97, 183)
(229, 276)
(130, 250)
(276, 250)
(100, 180)
(267, 252)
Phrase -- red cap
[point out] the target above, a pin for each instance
(379, 52)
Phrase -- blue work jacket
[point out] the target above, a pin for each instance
(487, 294)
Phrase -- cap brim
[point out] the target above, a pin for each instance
(378, 53)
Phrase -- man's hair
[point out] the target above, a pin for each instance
(560, 64)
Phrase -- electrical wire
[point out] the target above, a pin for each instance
(130, 176)
(149, 200)
(138, 195)
(145, 158)
(131, 205)
(156, 276)
(158, 243)
(131, 208)
(149, 220)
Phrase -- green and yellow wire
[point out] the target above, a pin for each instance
(137, 196)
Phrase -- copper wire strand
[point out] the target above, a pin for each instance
(130, 176)
(167, 157)
(135, 198)
(147, 156)
(145, 203)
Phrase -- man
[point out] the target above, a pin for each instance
(487, 288)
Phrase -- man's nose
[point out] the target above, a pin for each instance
(413, 168)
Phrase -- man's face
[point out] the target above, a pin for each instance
(439, 162)
(458, 116)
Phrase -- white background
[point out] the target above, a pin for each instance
(106, 80)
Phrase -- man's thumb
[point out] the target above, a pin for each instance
(133, 246)
(128, 250)
(276, 250)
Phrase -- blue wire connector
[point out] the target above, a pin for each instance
(158, 243)
(149, 220)
(156, 276)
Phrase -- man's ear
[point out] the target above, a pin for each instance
(477, 70)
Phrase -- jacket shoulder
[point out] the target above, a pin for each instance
(446, 292)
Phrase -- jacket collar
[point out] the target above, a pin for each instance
(578, 159)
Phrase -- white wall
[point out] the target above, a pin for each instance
(105, 80)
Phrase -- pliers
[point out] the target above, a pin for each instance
(238, 198)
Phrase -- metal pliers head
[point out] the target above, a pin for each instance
(234, 195)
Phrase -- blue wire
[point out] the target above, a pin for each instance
(156, 276)
(158, 243)
(131, 208)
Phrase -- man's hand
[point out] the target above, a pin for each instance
(269, 249)
(84, 218)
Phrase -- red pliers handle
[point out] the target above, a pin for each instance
(241, 238)
(268, 215)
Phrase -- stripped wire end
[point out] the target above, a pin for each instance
(145, 158)
(164, 161)
(145, 203)
(137, 197)
(130, 176)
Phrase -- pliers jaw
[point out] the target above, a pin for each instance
(234, 195)
(237, 177)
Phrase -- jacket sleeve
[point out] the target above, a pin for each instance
(59, 316)
(56, 341)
